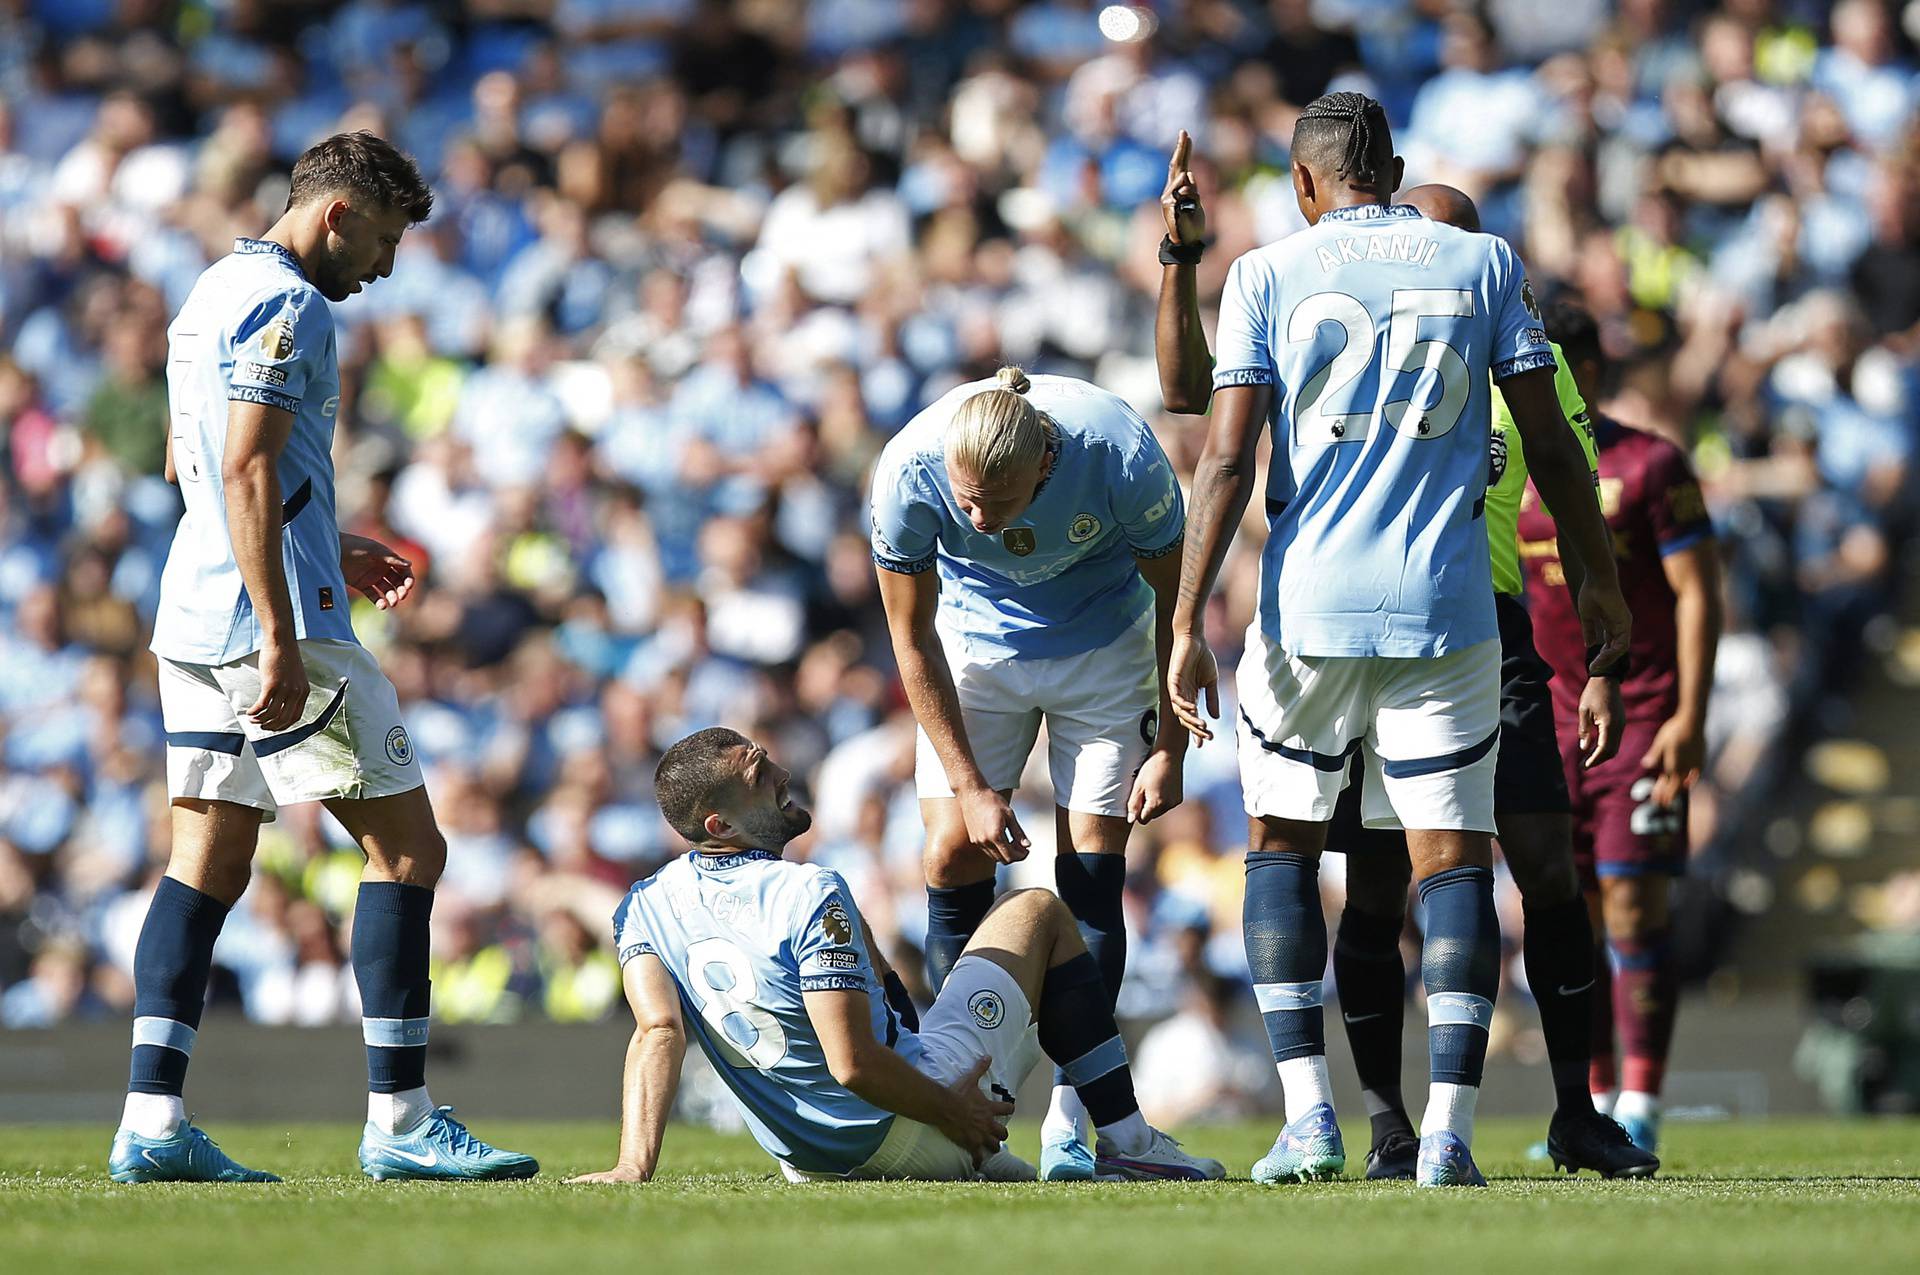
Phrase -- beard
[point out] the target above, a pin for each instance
(773, 828)
(337, 273)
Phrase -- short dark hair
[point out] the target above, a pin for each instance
(1348, 134)
(365, 166)
(693, 776)
(1573, 328)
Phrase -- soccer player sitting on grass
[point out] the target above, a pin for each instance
(770, 967)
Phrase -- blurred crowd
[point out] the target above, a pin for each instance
(691, 263)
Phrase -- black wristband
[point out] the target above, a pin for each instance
(1180, 254)
(1617, 670)
(902, 1003)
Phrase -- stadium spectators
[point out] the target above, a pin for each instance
(695, 260)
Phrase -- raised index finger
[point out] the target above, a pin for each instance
(1181, 149)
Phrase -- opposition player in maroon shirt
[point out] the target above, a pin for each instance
(1630, 815)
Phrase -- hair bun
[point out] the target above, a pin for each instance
(1013, 378)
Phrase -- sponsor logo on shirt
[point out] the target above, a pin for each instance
(274, 376)
(839, 960)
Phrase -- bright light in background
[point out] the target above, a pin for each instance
(1127, 23)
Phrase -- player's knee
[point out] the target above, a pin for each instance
(951, 861)
(1380, 889)
(1634, 906)
(1539, 853)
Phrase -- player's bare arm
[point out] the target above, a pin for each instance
(971, 1120)
(1222, 484)
(651, 1076)
(1680, 747)
(910, 602)
(1159, 787)
(383, 577)
(1179, 342)
(256, 433)
(1565, 483)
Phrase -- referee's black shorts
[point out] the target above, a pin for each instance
(1527, 778)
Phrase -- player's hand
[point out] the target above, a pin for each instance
(1679, 751)
(1158, 788)
(283, 688)
(976, 1122)
(1180, 201)
(382, 576)
(1606, 622)
(1602, 718)
(992, 827)
(1191, 673)
(618, 1173)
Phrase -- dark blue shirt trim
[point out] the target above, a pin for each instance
(272, 398)
(1524, 363)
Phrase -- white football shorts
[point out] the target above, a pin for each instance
(350, 741)
(980, 1013)
(1429, 730)
(1101, 708)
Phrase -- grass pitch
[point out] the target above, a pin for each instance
(1822, 1196)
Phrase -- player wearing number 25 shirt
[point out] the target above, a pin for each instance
(1369, 343)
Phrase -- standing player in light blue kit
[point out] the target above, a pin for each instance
(1026, 533)
(267, 696)
(1367, 340)
(771, 969)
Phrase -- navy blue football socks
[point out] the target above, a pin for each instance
(1460, 965)
(392, 936)
(171, 963)
(953, 914)
(1286, 939)
(1078, 1032)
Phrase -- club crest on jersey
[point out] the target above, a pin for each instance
(399, 747)
(1018, 540)
(987, 1009)
(836, 924)
(1083, 528)
(276, 340)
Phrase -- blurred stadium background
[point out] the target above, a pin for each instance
(692, 261)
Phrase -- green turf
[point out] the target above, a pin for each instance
(1828, 1197)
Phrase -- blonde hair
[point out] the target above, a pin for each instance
(999, 432)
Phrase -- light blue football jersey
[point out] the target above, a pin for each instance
(1060, 579)
(744, 936)
(253, 330)
(1378, 330)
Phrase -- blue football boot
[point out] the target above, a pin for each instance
(1065, 1157)
(185, 1155)
(1643, 1129)
(438, 1149)
(1308, 1150)
(1445, 1161)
